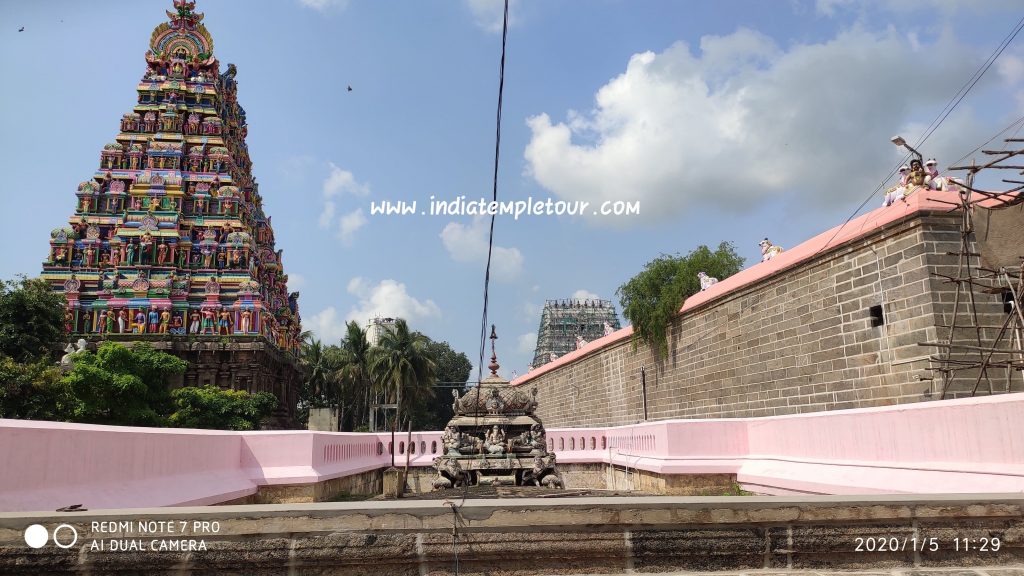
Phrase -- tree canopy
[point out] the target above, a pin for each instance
(120, 385)
(354, 383)
(353, 375)
(211, 407)
(452, 372)
(402, 369)
(654, 296)
(31, 319)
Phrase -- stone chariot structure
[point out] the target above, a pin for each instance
(495, 435)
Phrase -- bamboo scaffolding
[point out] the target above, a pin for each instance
(981, 354)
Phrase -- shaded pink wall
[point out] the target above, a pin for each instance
(966, 445)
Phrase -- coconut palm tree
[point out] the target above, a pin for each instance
(353, 372)
(402, 369)
(315, 374)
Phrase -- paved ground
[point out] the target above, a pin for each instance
(1010, 570)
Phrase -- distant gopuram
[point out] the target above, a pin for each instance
(169, 242)
(566, 325)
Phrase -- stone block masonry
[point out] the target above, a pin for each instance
(611, 535)
(836, 326)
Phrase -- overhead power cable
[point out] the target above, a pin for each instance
(948, 109)
(1019, 122)
(494, 197)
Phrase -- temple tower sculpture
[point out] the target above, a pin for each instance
(169, 242)
(566, 324)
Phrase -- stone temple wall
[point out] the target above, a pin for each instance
(805, 338)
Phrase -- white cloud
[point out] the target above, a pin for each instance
(1011, 68)
(327, 216)
(388, 298)
(744, 120)
(341, 181)
(327, 325)
(324, 5)
(349, 223)
(531, 311)
(489, 14)
(469, 244)
(944, 7)
(296, 166)
(296, 281)
(585, 295)
(527, 343)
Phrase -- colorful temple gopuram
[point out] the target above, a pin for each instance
(169, 242)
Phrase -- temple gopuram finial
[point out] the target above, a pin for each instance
(494, 357)
(184, 15)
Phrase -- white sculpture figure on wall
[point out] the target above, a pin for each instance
(769, 250)
(706, 281)
(580, 342)
(552, 356)
(70, 350)
(608, 329)
(65, 361)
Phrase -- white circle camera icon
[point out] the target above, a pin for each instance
(74, 536)
(36, 536)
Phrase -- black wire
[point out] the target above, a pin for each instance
(487, 274)
(1016, 122)
(490, 238)
(455, 537)
(939, 119)
(969, 84)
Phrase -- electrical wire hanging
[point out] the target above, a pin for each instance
(487, 277)
(494, 197)
(948, 109)
(1019, 122)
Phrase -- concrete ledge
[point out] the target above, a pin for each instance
(543, 536)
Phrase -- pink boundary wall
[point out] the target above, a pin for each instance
(919, 201)
(970, 445)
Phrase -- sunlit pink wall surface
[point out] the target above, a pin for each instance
(965, 445)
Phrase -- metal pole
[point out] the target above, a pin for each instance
(643, 387)
(408, 453)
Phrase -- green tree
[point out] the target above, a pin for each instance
(213, 408)
(315, 383)
(31, 319)
(452, 372)
(654, 296)
(402, 370)
(353, 377)
(119, 385)
(29, 391)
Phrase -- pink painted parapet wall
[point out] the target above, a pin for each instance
(967, 445)
(971, 445)
(49, 465)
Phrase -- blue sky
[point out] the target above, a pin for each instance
(725, 120)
